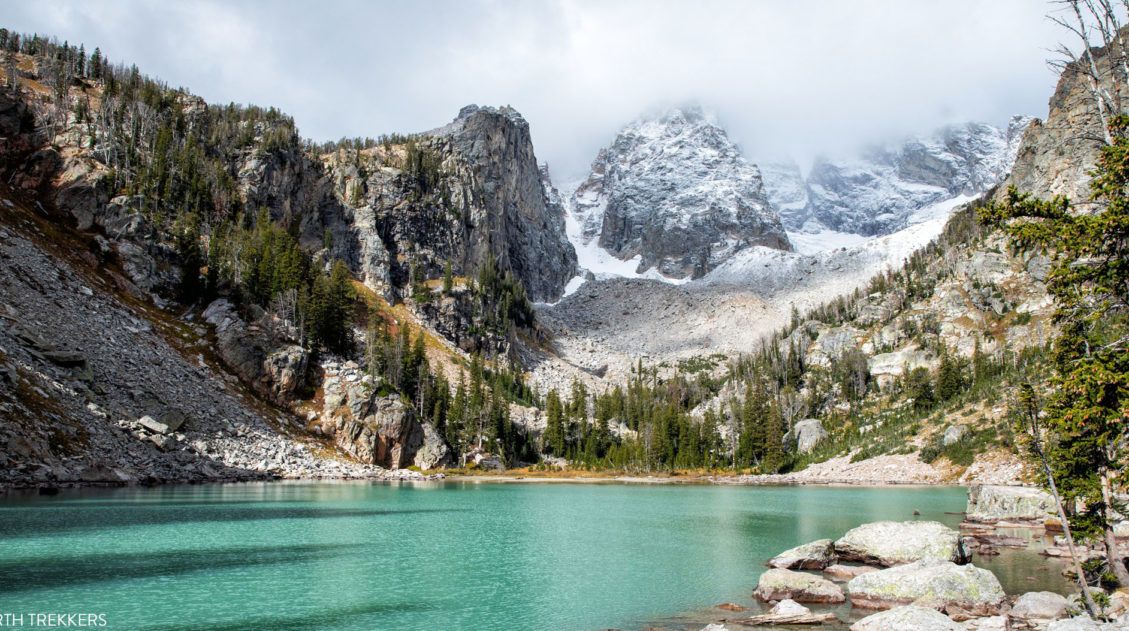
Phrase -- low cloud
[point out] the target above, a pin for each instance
(799, 77)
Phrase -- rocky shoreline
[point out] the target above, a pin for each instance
(921, 575)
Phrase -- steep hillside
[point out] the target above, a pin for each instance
(221, 224)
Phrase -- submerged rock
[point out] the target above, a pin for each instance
(892, 543)
(940, 584)
(809, 556)
(777, 584)
(907, 618)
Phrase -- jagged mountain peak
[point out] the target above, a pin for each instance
(467, 112)
(877, 189)
(675, 195)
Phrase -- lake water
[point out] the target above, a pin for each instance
(360, 556)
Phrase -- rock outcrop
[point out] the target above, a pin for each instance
(1059, 153)
(674, 191)
(963, 589)
(891, 543)
(777, 584)
(497, 187)
(372, 424)
(260, 354)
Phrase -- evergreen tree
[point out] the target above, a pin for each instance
(555, 424)
(919, 386)
(448, 278)
(1089, 280)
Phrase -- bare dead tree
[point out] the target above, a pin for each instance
(1032, 427)
(1093, 77)
(792, 406)
(1092, 23)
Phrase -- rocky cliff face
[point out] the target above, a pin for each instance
(878, 191)
(677, 193)
(460, 193)
(396, 212)
(1058, 154)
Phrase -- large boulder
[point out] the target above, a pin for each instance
(805, 435)
(907, 618)
(386, 432)
(990, 504)
(776, 584)
(942, 585)
(1036, 607)
(816, 555)
(433, 452)
(890, 543)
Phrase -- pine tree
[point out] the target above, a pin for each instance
(554, 429)
(448, 279)
(1088, 409)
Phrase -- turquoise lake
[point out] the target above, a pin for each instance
(455, 555)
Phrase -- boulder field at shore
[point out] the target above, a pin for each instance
(918, 576)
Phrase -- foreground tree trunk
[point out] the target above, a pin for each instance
(1112, 554)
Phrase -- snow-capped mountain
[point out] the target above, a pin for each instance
(673, 195)
(877, 191)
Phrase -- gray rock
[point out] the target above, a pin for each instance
(499, 186)
(272, 364)
(1042, 606)
(776, 584)
(433, 452)
(941, 584)
(891, 543)
(907, 618)
(953, 435)
(989, 623)
(1085, 623)
(805, 435)
(153, 425)
(839, 572)
(816, 555)
(989, 504)
(788, 607)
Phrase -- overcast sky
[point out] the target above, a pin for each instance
(786, 76)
